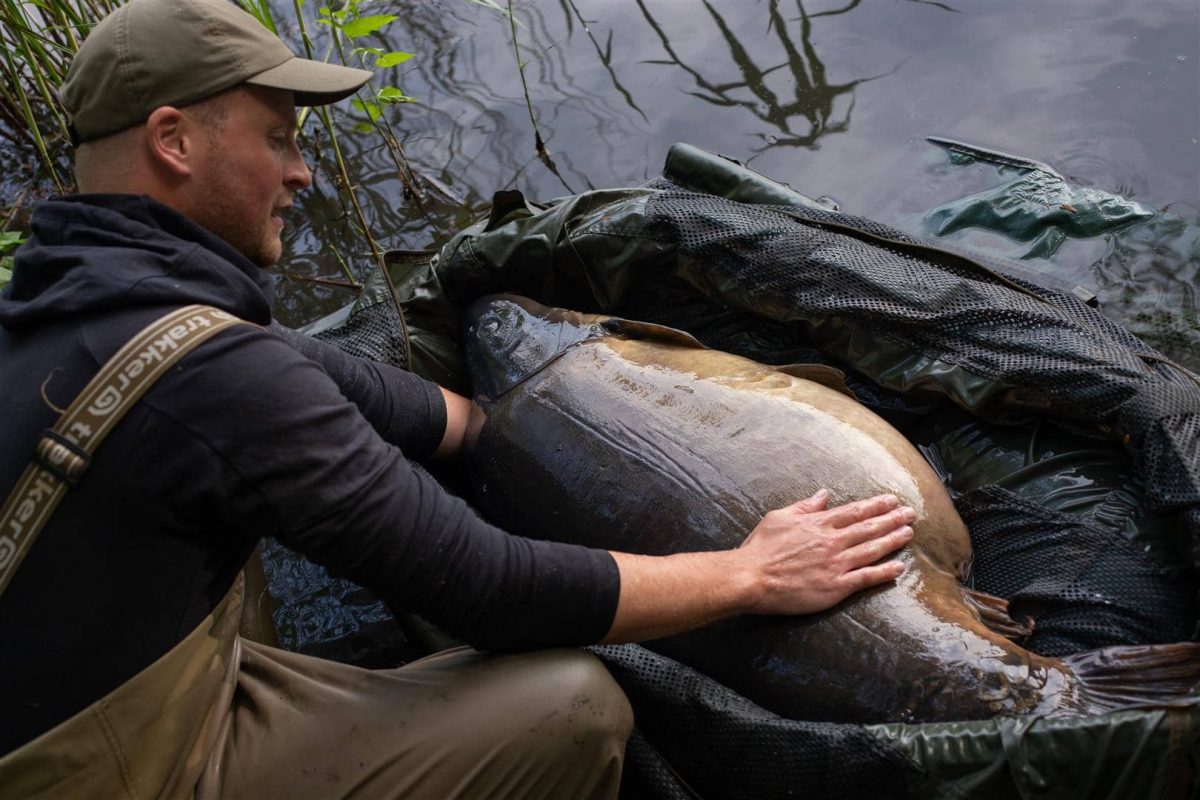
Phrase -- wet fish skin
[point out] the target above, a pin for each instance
(611, 435)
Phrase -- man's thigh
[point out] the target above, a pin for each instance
(456, 724)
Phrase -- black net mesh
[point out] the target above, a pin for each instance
(372, 330)
(716, 743)
(1165, 432)
(647, 774)
(794, 262)
(1084, 585)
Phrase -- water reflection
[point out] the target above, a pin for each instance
(1111, 101)
(813, 96)
(605, 54)
(472, 115)
(467, 135)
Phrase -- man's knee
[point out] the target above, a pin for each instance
(582, 698)
(579, 728)
(550, 724)
(568, 693)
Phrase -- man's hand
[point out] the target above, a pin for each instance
(798, 560)
(808, 559)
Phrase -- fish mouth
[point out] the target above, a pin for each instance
(510, 338)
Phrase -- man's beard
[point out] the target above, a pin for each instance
(253, 239)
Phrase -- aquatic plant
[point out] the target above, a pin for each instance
(539, 143)
(37, 42)
(9, 240)
(345, 25)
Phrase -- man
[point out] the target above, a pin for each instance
(122, 671)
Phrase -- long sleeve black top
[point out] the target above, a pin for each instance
(246, 437)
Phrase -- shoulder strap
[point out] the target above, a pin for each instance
(64, 451)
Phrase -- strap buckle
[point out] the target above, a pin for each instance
(61, 457)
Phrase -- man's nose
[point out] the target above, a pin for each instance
(296, 174)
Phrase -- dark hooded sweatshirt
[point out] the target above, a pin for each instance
(244, 438)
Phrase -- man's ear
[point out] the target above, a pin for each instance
(171, 138)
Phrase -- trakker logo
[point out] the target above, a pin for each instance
(35, 497)
(62, 454)
(153, 353)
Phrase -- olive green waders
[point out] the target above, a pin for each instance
(222, 716)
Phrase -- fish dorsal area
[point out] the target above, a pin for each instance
(747, 435)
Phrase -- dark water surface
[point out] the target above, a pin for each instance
(833, 98)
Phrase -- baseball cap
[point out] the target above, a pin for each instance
(151, 53)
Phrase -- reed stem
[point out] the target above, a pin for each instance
(539, 145)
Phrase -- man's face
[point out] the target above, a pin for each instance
(247, 169)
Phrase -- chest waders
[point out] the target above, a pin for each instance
(151, 735)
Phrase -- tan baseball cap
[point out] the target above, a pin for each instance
(151, 53)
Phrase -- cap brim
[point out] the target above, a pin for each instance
(314, 83)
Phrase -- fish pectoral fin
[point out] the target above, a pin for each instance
(993, 612)
(636, 329)
(830, 377)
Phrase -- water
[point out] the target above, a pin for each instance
(832, 98)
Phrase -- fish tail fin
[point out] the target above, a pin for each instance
(1118, 677)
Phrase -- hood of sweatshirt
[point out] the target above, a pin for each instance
(102, 252)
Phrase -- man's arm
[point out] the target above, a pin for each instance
(384, 394)
(798, 560)
(462, 416)
(405, 409)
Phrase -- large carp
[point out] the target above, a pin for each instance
(632, 437)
